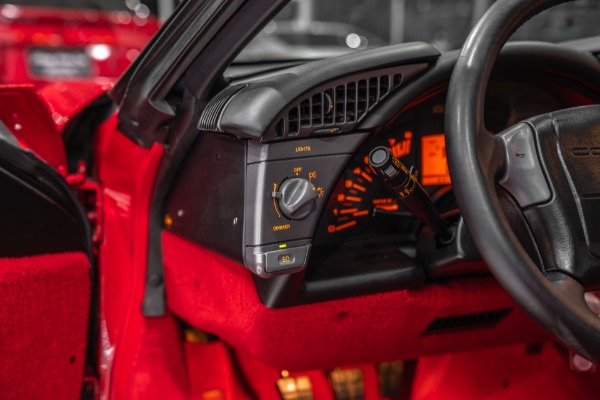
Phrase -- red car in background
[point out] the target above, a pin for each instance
(43, 40)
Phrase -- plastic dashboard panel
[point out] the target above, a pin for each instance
(246, 158)
(254, 110)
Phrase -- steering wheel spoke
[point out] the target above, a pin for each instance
(523, 175)
(491, 151)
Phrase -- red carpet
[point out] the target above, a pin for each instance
(43, 326)
(505, 373)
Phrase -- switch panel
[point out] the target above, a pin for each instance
(266, 223)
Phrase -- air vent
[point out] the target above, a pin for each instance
(361, 99)
(351, 102)
(397, 80)
(339, 107)
(293, 121)
(279, 129)
(384, 85)
(328, 106)
(316, 113)
(373, 92)
(485, 319)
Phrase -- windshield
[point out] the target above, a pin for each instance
(308, 29)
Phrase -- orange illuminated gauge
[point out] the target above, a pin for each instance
(355, 202)
(359, 193)
(352, 203)
(401, 148)
(434, 164)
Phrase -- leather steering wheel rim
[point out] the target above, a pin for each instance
(555, 301)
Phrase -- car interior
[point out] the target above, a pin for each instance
(399, 222)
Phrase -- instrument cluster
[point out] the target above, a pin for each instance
(362, 209)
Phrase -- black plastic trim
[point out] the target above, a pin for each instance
(142, 91)
(273, 96)
(210, 62)
(556, 59)
(207, 201)
(26, 227)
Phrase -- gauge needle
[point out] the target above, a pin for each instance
(388, 207)
(378, 212)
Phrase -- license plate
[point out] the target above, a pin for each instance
(59, 63)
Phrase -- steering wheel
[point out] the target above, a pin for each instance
(530, 195)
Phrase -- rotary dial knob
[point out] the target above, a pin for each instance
(296, 198)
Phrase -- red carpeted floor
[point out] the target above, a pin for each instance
(218, 296)
(504, 373)
(44, 303)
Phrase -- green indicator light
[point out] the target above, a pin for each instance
(282, 246)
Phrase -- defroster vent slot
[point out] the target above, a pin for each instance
(486, 319)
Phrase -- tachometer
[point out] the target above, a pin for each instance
(359, 195)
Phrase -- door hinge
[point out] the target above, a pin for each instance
(90, 196)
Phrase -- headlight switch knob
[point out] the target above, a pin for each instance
(296, 198)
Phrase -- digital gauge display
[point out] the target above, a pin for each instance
(434, 164)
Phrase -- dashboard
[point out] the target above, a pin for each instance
(293, 198)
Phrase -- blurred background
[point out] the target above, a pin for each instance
(45, 40)
(319, 28)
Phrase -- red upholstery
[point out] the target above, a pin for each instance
(218, 296)
(44, 303)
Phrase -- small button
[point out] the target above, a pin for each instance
(326, 131)
(523, 178)
(286, 259)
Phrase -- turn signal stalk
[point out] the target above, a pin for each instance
(404, 184)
